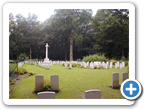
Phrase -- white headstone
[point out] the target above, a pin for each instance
(121, 66)
(85, 65)
(116, 65)
(48, 66)
(92, 65)
(111, 64)
(106, 66)
(65, 65)
(70, 66)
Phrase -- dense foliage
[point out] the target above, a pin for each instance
(71, 34)
(95, 57)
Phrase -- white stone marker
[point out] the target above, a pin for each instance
(65, 65)
(121, 66)
(85, 65)
(46, 95)
(115, 65)
(55, 82)
(118, 64)
(106, 66)
(124, 76)
(111, 64)
(48, 66)
(115, 80)
(93, 94)
(92, 65)
(70, 66)
(39, 80)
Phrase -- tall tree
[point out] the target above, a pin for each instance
(67, 23)
(112, 32)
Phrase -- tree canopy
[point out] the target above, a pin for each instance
(71, 34)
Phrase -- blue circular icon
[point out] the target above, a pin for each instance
(130, 89)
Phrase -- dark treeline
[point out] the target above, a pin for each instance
(71, 34)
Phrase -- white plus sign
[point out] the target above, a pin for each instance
(131, 89)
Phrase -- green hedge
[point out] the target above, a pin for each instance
(95, 57)
(21, 71)
(11, 61)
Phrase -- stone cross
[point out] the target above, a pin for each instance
(46, 50)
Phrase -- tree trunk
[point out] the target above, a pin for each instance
(71, 49)
(66, 54)
(17, 55)
(30, 52)
(37, 53)
(122, 53)
(12, 56)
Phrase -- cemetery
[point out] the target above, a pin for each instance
(69, 57)
(70, 80)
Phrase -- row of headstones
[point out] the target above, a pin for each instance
(120, 65)
(39, 82)
(98, 64)
(39, 79)
(90, 94)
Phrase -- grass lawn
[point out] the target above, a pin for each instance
(72, 82)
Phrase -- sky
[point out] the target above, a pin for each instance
(42, 14)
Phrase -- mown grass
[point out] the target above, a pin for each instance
(72, 82)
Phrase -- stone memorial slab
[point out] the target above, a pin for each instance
(55, 82)
(39, 80)
(93, 94)
(115, 80)
(46, 95)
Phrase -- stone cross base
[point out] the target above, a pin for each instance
(46, 60)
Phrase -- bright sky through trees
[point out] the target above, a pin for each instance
(42, 14)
